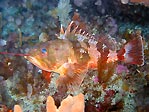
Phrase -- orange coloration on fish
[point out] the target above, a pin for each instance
(75, 51)
(46, 75)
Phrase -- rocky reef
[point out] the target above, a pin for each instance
(23, 24)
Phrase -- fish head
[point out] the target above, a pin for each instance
(38, 56)
(51, 55)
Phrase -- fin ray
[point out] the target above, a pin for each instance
(132, 52)
(72, 82)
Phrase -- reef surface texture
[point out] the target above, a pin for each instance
(65, 77)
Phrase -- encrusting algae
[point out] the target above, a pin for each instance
(83, 58)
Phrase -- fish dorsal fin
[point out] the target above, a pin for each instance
(74, 33)
(108, 41)
(76, 30)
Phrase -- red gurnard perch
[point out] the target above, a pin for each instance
(75, 51)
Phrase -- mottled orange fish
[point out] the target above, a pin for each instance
(66, 56)
(75, 51)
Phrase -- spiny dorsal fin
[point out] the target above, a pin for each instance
(73, 32)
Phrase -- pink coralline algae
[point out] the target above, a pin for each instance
(96, 79)
(121, 69)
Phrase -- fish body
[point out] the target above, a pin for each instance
(75, 51)
(67, 58)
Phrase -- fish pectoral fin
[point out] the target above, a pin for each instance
(46, 75)
(71, 81)
(63, 69)
(70, 76)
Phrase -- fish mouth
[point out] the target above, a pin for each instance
(37, 63)
(34, 61)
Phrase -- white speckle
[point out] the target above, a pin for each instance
(82, 51)
(92, 41)
(9, 63)
(124, 1)
(98, 2)
(26, 50)
(128, 48)
(18, 21)
(39, 71)
(2, 42)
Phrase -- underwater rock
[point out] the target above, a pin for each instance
(3, 108)
(144, 2)
(79, 3)
(43, 37)
(109, 92)
(5, 70)
(69, 104)
(2, 42)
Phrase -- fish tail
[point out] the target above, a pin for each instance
(132, 52)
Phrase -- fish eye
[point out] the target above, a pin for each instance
(44, 51)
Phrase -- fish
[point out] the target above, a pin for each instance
(63, 57)
(75, 51)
